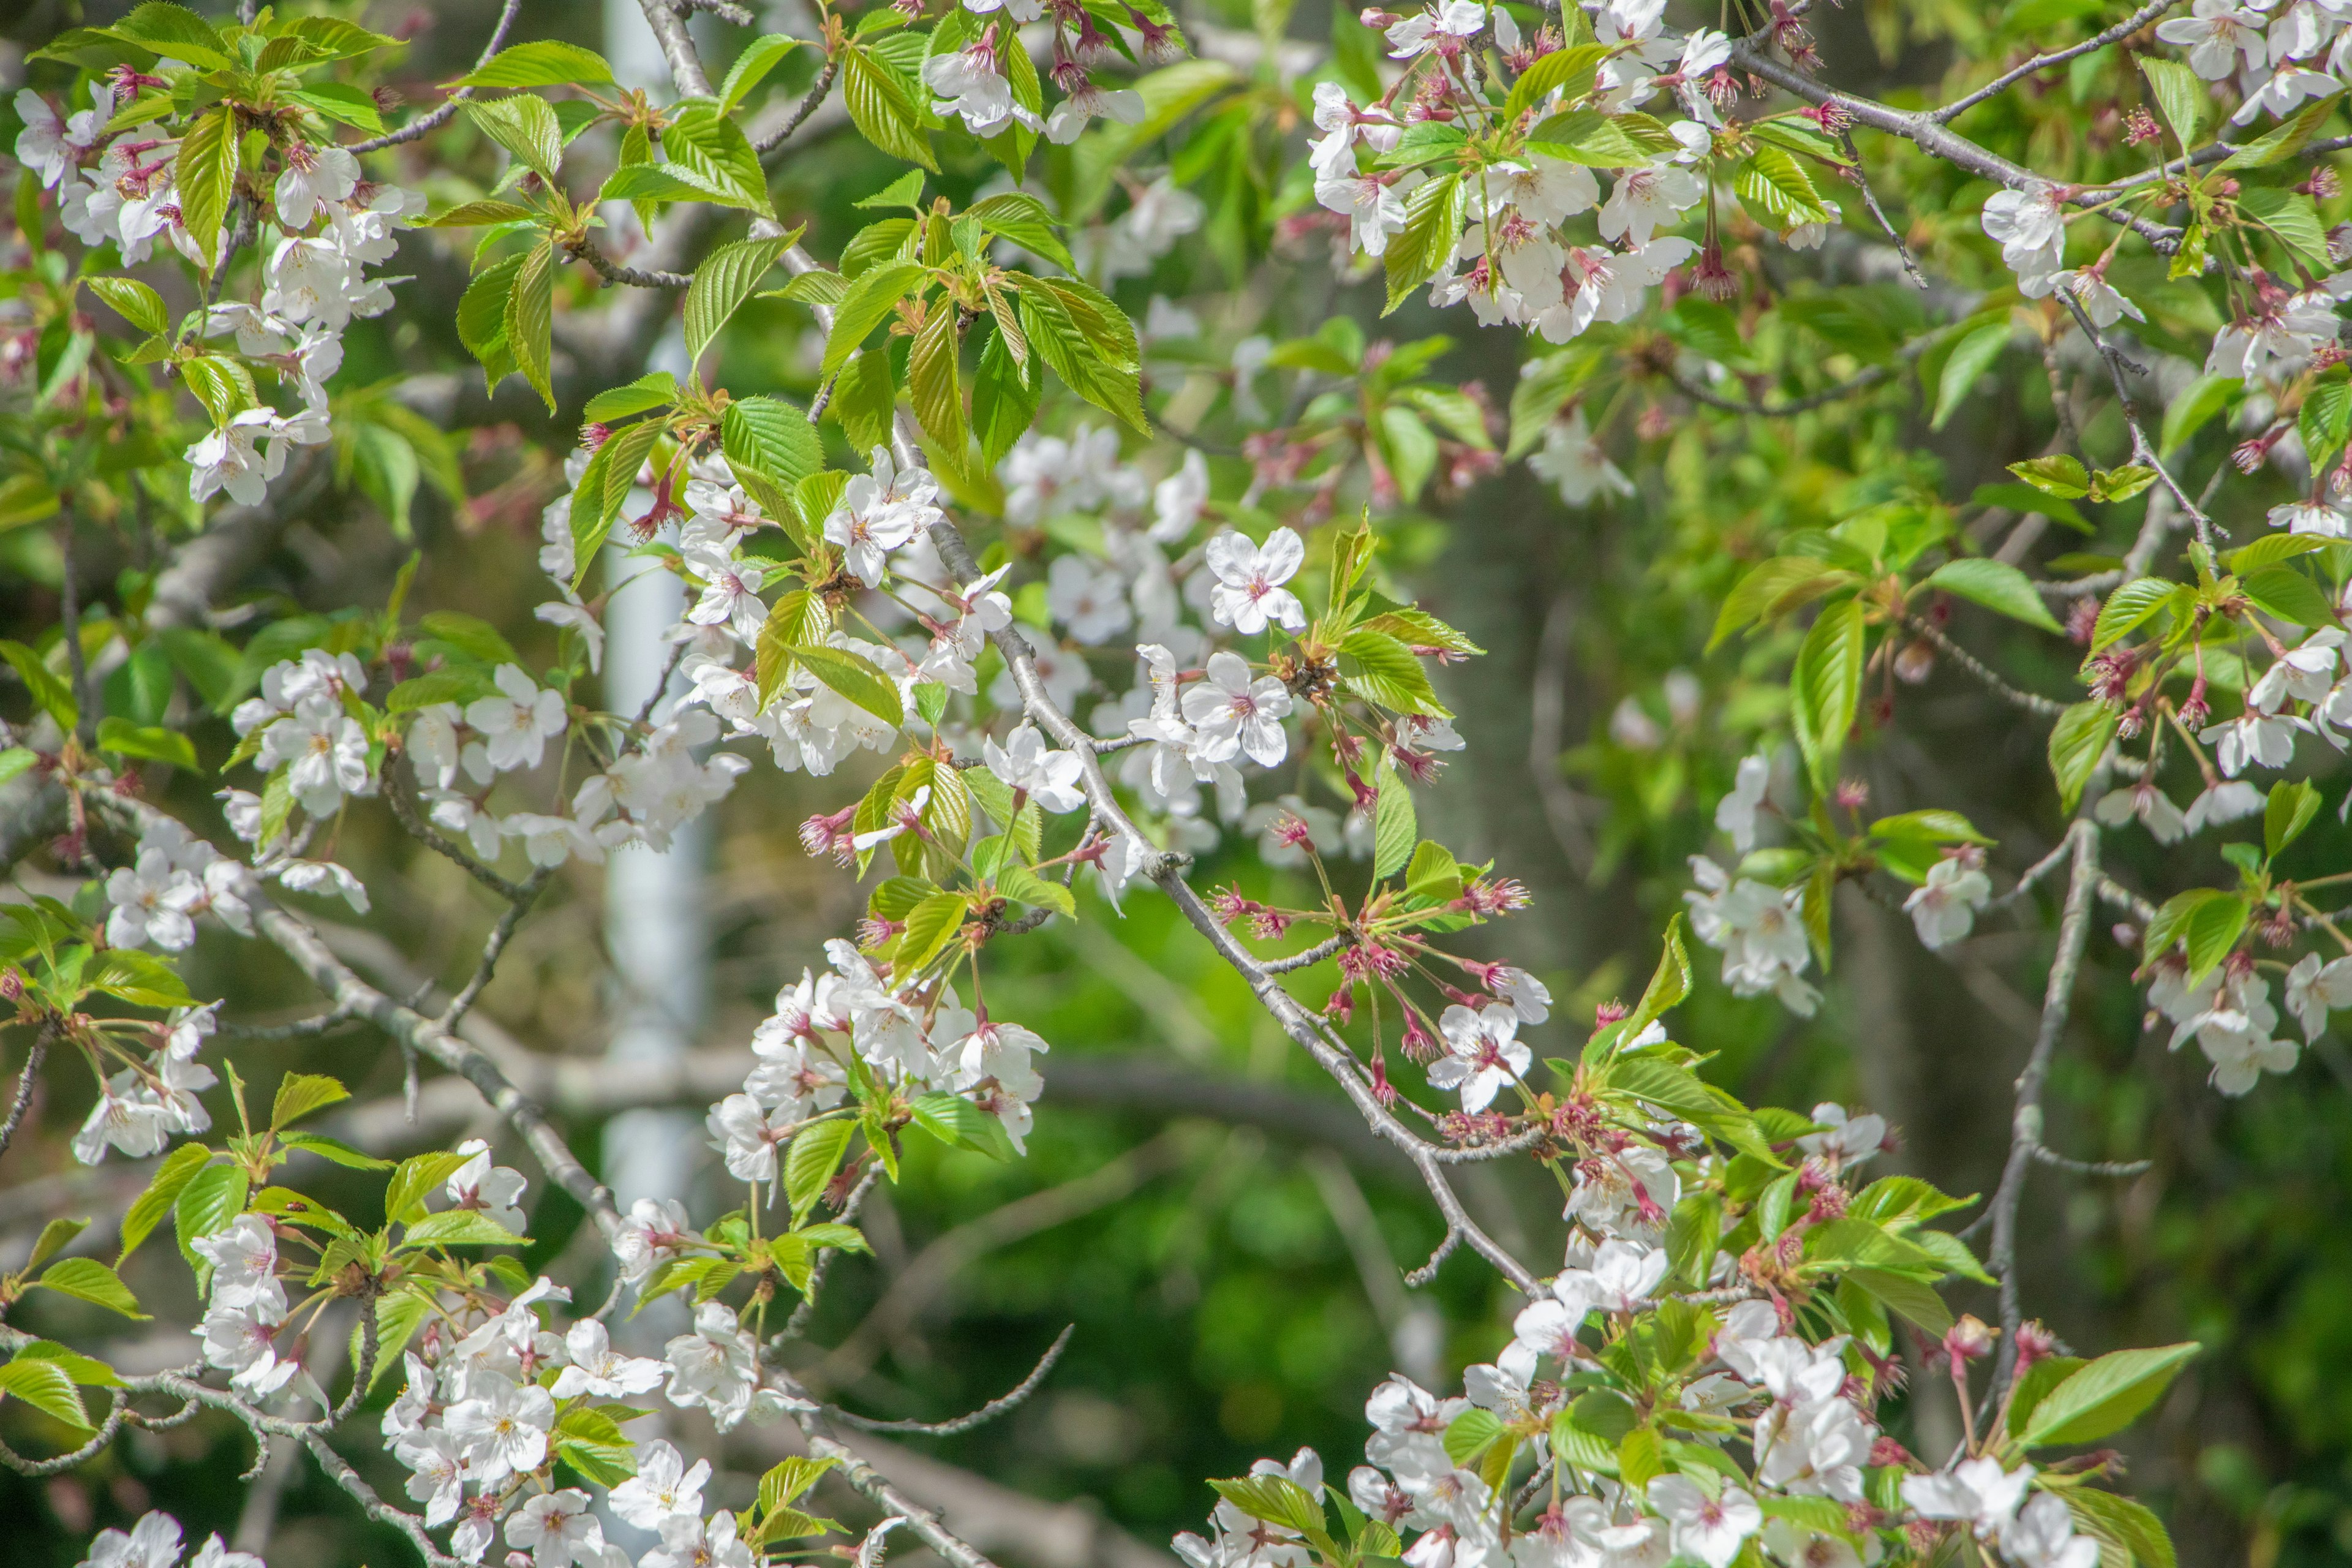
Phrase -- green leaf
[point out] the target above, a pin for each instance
(2271, 549)
(53, 1238)
(150, 742)
(211, 1199)
(458, 1227)
(1023, 220)
(88, 1371)
(2123, 1523)
(334, 1150)
(657, 389)
(525, 125)
(340, 102)
(2194, 406)
(2287, 595)
(1571, 72)
(1774, 588)
(2179, 96)
(1775, 187)
(2284, 140)
(872, 300)
(931, 382)
(930, 926)
(413, 1182)
(725, 279)
(2326, 410)
(958, 1122)
(2128, 608)
(2059, 476)
(174, 31)
(206, 175)
(482, 318)
(1824, 688)
(604, 487)
(1934, 825)
(300, 1094)
(50, 695)
(773, 437)
(541, 63)
(1432, 228)
(1970, 357)
(134, 301)
(2292, 218)
(2111, 485)
(47, 1386)
(760, 56)
(1380, 669)
(2076, 744)
(1669, 982)
(162, 1191)
(1471, 1434)
(531, 320)
(1996, 585)
(1434, 874)
(856, 678)
(882, 107)
(2287, 812)
(1914, 1299)
(1395, 826)
(89, 1281)
(2106, 1396)
(810, 1160)
(1276, 1499)
(1004, 396)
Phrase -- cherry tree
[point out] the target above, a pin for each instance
(1026, 719)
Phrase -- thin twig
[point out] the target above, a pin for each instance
(1870, 200)
(808, 104)
(2030, 876)
(439, 115)
(24, 1096)
(2092, 1167)
(2042, 707)
(404, 810)
(501, 935)
(2142, 449)
(2038, 63)
(2025, 1121)
(583, 249)
(986, 1413)
(1328, 948)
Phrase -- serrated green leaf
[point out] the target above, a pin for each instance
(2077, 742)
(726, 277)
(540, 63)
(1824, 689)
(1996, 585)
(88, 1279)
(2106, 1396)
(810, 1160)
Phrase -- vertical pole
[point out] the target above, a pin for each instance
(653, 922)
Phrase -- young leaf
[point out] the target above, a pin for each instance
(760, 56)
(47, 1387)
(855, 679)
(931, 382)
(531, 320)
(870, 301)
(724, 281)
(2106, 1396)
(300, 1094)
(525, 125)
(134, 301)
(206, 174)
(1395, 826)
(2076, 744)
(1824, 687)
(1996, 585)
(89, 1281)
(882, 107)
(2287, 812)
(810, 1160)
(2128, 608)
(162, 1191)
(541, 63)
